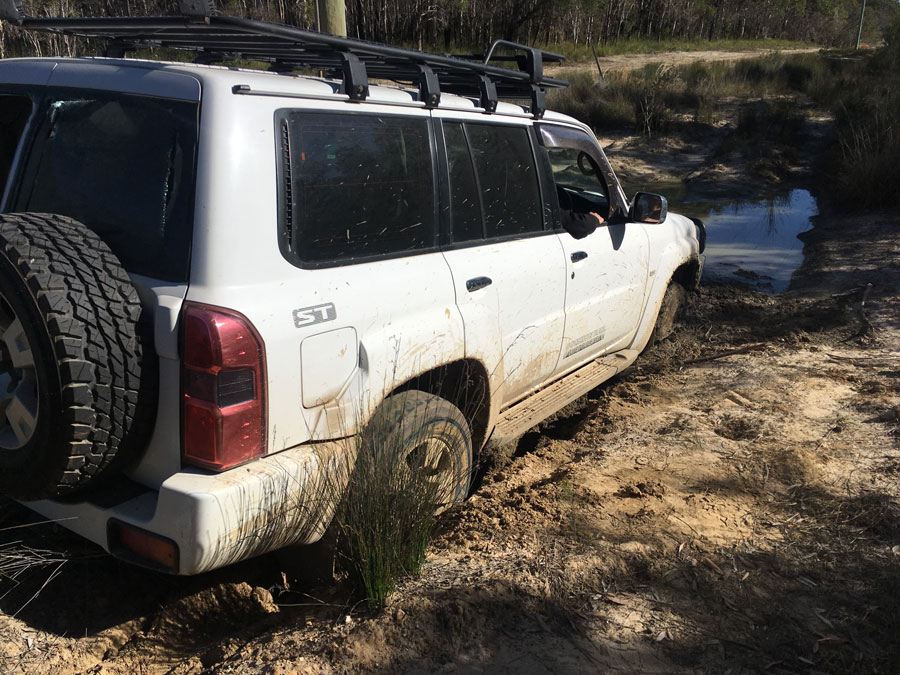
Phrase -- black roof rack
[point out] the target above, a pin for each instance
(214, 38)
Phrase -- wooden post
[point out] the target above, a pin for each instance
(332, 17)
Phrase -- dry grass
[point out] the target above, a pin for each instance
(650, 97)
(19, 558)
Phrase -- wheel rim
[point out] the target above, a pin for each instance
(432, 459)
(18, 382)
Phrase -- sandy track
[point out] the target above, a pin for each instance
(633, 61)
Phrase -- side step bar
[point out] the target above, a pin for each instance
(519, 418)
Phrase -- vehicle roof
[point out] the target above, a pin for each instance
(289, 84)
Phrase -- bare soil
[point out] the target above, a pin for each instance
(729, 505)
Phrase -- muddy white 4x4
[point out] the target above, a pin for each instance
(210, 276)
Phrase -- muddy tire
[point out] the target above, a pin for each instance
(77, 383)
(669, 311)
(426, 434)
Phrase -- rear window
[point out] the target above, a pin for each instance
(357, 186)
(124, 166)
(14, 113)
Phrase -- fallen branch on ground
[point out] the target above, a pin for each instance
(868, 328)
(722, 355)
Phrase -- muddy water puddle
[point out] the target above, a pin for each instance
(755, 240)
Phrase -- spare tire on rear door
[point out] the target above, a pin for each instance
(77, 377)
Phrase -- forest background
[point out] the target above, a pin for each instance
(448, 25)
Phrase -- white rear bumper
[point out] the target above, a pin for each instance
(216, 519)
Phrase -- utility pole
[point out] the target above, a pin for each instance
(862, 13)
(331, 17)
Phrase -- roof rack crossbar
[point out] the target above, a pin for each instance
(214, 38)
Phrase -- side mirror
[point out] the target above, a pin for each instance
(647, 207)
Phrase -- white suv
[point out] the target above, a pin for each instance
(210, 275)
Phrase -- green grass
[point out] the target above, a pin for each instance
(648, 98)
(387, 499)
(384, 522)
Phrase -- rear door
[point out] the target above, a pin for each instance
(507, 264)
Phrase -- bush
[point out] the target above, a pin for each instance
(646, 98)
(867, 168)
(865, 165)
(651, 112)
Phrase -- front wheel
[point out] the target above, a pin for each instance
(669, 311)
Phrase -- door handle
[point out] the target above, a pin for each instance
(578, 255)
(478, 282)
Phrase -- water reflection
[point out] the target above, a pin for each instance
(753, 240)
(757, 240)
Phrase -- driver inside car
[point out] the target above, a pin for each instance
(581, 194)
(576, 223)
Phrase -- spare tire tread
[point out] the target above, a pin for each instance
(91, 312)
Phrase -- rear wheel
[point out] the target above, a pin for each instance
(430, 441)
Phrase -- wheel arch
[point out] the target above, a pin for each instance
(464, 383)
(686, 273)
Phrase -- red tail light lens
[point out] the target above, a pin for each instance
(223, 385)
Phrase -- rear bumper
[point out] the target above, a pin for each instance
(216, 519)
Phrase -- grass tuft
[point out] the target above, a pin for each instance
(396, 484)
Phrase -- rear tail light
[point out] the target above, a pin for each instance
(223, 386)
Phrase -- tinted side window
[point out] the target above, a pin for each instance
(124, 166)
(464, 200)
(361, 185)
(14, 112)
(506, 173)
(579, 181)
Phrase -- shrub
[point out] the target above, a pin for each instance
(867, 170)
(865, 164)
(650, 110)
(598, 104)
